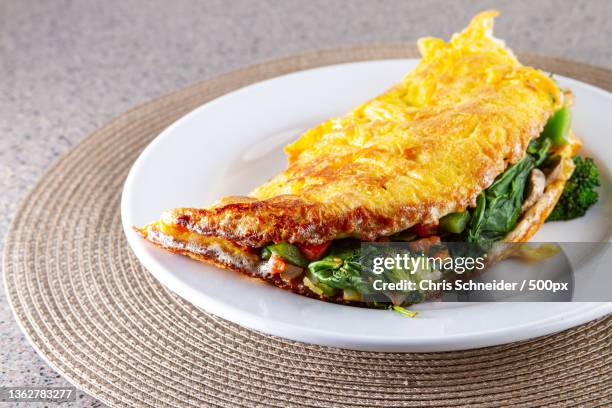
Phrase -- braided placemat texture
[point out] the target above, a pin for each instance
(102, 321)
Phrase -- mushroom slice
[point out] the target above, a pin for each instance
(535, 188)
(291, 272)
(554, 172)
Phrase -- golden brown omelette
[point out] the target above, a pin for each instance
(425, 148)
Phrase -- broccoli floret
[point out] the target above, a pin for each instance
(579, 193)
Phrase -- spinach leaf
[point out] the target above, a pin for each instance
(498, 207)
(341, 269)
(538, 148)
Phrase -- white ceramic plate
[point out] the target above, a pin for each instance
(234, 143)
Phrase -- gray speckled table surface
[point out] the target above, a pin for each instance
(66, 67)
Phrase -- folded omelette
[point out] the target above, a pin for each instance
(432, 157)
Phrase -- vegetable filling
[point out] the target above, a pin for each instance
(334, 268)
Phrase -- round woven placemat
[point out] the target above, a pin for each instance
(104, 322)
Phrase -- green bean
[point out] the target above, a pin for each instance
(288, 252)
(455, 222)
(557, 127)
